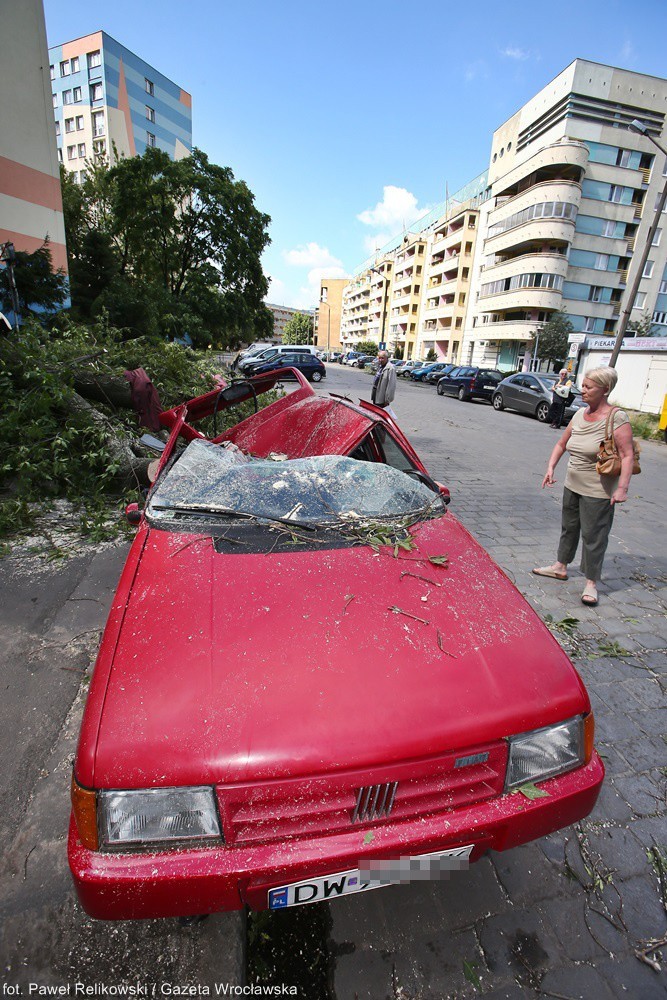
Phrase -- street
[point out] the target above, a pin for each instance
(565, 916)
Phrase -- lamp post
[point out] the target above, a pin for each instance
(384, 302)
(323, 302)
(641, 129)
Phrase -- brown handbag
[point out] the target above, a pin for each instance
(609, 460)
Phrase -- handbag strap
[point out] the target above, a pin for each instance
(609, 428)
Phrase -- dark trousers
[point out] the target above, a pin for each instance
(557, 410)
(591, 519)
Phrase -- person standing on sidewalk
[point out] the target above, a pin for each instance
(560, 398)
(384, 384)
(589, 498)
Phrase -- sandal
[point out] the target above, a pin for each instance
(549, 571)
(589, 596)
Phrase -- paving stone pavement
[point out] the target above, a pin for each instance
(563, 916)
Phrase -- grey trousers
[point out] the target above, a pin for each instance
(592, 519)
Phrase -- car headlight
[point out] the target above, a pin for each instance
(544, 753)
(156, 816)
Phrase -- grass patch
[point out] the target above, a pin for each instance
(645, 426)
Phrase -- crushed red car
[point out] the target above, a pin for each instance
(313, 679)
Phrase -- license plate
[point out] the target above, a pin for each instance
(489, 387)
(317, 890)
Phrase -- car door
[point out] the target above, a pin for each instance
(510, 392)
(530, 394)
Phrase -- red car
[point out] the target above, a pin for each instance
(313, 679)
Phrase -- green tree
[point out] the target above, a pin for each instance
(298, 330)
(185, 230)
(41, 290)
(642, 327)
(551, 338)
(431, 355)
(367, 347)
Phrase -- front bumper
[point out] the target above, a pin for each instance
(206, 880)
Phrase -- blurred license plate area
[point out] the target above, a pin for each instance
(423, 867)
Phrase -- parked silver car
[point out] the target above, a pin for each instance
(532, 393)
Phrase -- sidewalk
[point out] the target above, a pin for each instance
(46, 938)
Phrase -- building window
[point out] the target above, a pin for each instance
(69, 124)
(150, 89)
(57, 128)
(71, 152)
(64, 67)
(60, 156)
(589, 325)
(99, 147)
(55, 100)
(77, 95)
(79, 123)
(648, 269)
(67, 96)
(94, 59)
(640, 299)
(82, 150)
(52, 72)
(657, 200)
(623, 157)
(96, 92)
(601, 262)
(150, 114)
(595, 293)
(150, 139)
(656, 238)
(75, 64)
(615, 192)
(98, 122)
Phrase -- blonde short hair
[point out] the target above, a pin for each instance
(603, 376)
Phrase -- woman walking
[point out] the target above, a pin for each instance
(560, 398)
(589, 498)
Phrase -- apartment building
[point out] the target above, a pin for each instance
(31, 208)
(355, 310)
(446, 297)
(107, 101)
(328, 313)
(281, 317)
(572, 193)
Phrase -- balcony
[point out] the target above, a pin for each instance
(549, 299)
(542, 263)
(569, 156)
(514, 329)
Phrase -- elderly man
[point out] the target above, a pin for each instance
(384, 384)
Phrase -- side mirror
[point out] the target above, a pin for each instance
(133, 513)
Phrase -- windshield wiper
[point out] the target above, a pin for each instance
(202, 509)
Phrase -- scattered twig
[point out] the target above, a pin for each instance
(643, 954)
(348, 600)
(442, 648)
(399, 611)
(406, 572)
(25, 863)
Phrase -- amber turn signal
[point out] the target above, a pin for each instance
(84, 807)
(589, 736)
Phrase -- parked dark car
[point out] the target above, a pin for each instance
(470, 383)
(419, 373)
(311, 366)
(438, 372)
(365, 359)
(529, 392)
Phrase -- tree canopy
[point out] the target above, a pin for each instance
(41, 291)
(552, 344)
(168, 247)
(367, 347)
(298, 329)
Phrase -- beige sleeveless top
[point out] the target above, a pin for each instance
(583, 447)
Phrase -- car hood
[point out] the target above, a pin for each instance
(255, 666)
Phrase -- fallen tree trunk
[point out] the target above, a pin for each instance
(110, 389)
(132, 471)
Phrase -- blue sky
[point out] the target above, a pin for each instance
(349, 120)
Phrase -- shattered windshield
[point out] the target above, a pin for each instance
(323, 490)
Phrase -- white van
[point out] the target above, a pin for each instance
(274, 352)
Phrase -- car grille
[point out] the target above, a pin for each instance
(302, 807)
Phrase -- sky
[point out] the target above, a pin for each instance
(350, 120)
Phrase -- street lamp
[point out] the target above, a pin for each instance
(384, 302)
(323, 302)
(641, 129)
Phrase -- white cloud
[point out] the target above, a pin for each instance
(628, 52)
(321, 263)
(514, 52)
(397, 210)
(276, 292)
(312, 255)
